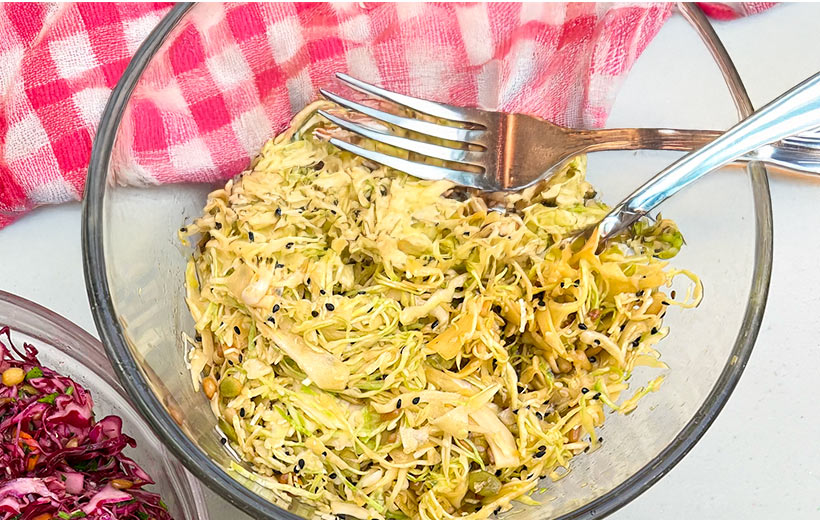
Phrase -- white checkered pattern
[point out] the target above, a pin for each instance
(234, 74)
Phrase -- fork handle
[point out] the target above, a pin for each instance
(607, 139)
(795, 154)
(796, 111)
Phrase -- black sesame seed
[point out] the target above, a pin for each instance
(218, 225)
(636, 342)
(360, 293)
(654, 330)
(596, 396)
(542, 448)
(416, 400)
(278, 212)
(288, 245)
(272, 320)
(562, 285)
(275, 308)
(279, 266)
(301, 463)
(538, 455)
(586, 449)
(236, 329)
(600, 439)
(497, 510)
(241, 412)
(597, 341)
(324, 454)
(241, 357)
(498, 473)
(322, 292)
(576, 283)
(319, 165)
(198, 337)
(434, 324)
(497, 309)
(398, 404)
(664, 303)
(466, 233)
(623, 326)
(330, 306)
(673, 294)
(332, 476)
(223, 440)
(584, 390)
(542, 304)
(183, 229)
(315, 314)
(582, 326)
(250, 236)
(383, 190)
(592, 359)
(540, 416)
(307, 281)
(230, 362)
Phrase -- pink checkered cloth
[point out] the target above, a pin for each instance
(235, 73)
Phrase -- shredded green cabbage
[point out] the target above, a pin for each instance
(381, 348)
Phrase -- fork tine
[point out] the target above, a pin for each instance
(811, 140)
(423, 171)
(450, 133)
(464, 115)
(431, 150)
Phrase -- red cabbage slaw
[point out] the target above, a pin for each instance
(56, 461)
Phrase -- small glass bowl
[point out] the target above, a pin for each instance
(66, 348)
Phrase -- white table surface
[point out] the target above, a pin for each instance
(761, 458)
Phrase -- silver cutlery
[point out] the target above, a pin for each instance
(495, 151)
(794, 112)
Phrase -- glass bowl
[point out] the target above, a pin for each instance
(71, 351)
(134, 269)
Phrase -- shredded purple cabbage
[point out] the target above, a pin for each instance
(56, 461)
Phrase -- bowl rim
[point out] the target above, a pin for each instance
(218, 480)
(80, 346)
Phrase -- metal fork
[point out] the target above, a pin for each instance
(795, 111)
(494, 151)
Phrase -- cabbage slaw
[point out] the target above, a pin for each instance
(385, 347)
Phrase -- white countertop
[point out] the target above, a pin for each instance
(760, 459)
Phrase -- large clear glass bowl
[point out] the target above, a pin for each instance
(134, 272)
(71, 351)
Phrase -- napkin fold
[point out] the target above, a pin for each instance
(232, 75)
